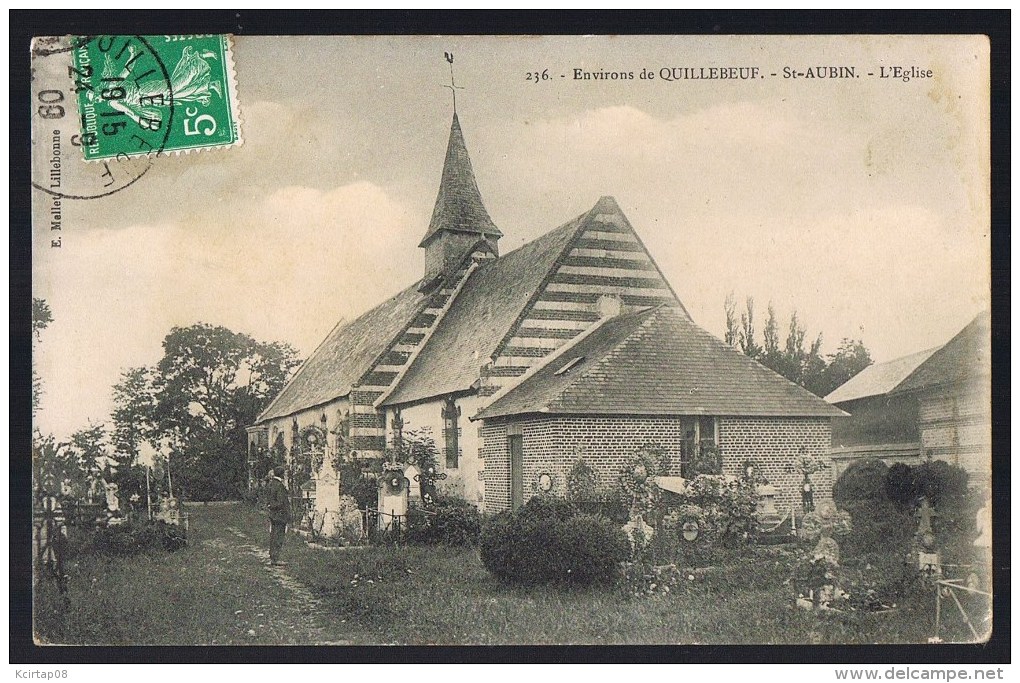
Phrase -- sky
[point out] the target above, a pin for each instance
(863, 204)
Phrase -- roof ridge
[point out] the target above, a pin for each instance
(299, 373)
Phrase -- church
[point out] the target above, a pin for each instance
(573, 345)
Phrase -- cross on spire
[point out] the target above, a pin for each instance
(453, 84)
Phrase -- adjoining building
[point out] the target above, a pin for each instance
(573, 344)
(935, 403)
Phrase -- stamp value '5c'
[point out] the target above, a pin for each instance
(142, 95)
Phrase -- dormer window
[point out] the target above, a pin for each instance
(568, 365)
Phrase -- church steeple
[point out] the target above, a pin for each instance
(459, 219)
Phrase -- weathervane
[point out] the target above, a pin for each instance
(453, 85)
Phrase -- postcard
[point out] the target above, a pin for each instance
(452, 340)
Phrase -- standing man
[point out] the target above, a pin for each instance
(278, 502)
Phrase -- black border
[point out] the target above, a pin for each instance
(24, 24)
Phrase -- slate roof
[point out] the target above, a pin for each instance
(965, 356)
(346, 353)
(459, 204)
(481, 315)
(656, 362)
(880, 378)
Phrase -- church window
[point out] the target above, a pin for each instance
(451, 431)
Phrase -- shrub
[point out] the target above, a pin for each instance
(862, 480)
(899, 484)
(582, 482)
(727, 506)
(132, 538)
(363, 488)
(454, 522)
(877, 525)
(546, 541)
(946, 488)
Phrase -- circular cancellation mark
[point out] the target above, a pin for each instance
(69, 91)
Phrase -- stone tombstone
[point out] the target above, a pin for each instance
(925, 531)
(767, 500)
(411, 473)
(393, 494)
(827, 549)
(112, 501)
(327, 500)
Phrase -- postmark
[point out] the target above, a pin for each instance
(59, 168)
(142, 94)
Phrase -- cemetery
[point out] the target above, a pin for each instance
(899, 555)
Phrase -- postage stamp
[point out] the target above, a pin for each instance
(142, 94)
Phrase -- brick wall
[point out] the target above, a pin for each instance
(774, 443)
(552, 444)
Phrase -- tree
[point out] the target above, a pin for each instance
(851, 357)
(771, 356)
(732, 331)
(747, 343)
(210, 384)
(134, 404)
(42, 316)
(806, 367)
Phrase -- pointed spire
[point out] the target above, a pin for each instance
(459, 206)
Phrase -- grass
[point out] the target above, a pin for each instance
(213, 592)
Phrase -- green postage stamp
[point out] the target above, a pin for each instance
(142, 95)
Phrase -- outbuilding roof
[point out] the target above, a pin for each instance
(965, 356)
(880, 378)
(655, 362)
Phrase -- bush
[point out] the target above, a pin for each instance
(132, 538)
(454, 522)
(353, 482)
(862, 480)
(899, 484)
(727, 506)
(877, 525)
(583, 483)
(882, 501)
(546, 541)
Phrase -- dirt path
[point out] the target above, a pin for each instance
(301, 612)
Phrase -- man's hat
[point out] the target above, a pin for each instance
(278, 471)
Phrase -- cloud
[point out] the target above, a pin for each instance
(284, 269)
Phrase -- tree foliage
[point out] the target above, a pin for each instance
(819, 374)
(42, 316)
(209, 385)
